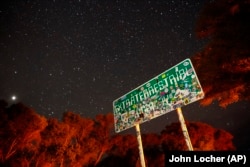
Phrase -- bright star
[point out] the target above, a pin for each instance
(13, 98)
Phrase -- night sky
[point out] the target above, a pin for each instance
(77, 55)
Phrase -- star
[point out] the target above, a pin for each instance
(13, 98)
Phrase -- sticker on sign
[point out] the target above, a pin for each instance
(174, 88)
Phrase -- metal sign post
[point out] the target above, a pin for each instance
(138, 134)
(184, 129)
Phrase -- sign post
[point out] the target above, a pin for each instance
(168, 91)
(184, 129)
(141, 153)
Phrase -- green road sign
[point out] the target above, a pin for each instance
(173, 88)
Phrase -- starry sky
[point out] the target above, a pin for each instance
(76, 55)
